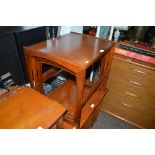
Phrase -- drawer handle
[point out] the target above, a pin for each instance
(138, 71)
(130, 94)
(127, 105)
(136, 83)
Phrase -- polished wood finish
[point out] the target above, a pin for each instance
(89, 112)
(73, 53)
(25, 108)
(131, 94)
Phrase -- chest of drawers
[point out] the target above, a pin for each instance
(131, 91)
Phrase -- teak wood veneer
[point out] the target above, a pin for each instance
(25, 108)
(73, 53)
(131, 95)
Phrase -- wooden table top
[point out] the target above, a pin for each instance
(27, 108)
(71, 49)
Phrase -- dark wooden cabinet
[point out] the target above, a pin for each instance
(22, 36)
(26, 37)
(11, 72)
(74, 54)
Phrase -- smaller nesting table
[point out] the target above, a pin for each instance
(25, 108)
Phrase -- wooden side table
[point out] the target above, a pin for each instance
(73, 54)
(25, 108)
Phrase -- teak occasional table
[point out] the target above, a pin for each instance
(25, 108)
(78, 56)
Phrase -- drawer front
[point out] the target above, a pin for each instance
(131, 97)
(141, 95)
(130, 76)
(128, 69)
(132, 65)
(132, 85)
(128, 102)
(120, 70)
(130, 110)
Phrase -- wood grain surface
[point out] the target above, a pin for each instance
(131, 94)
(73, 53)
(25, 108)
